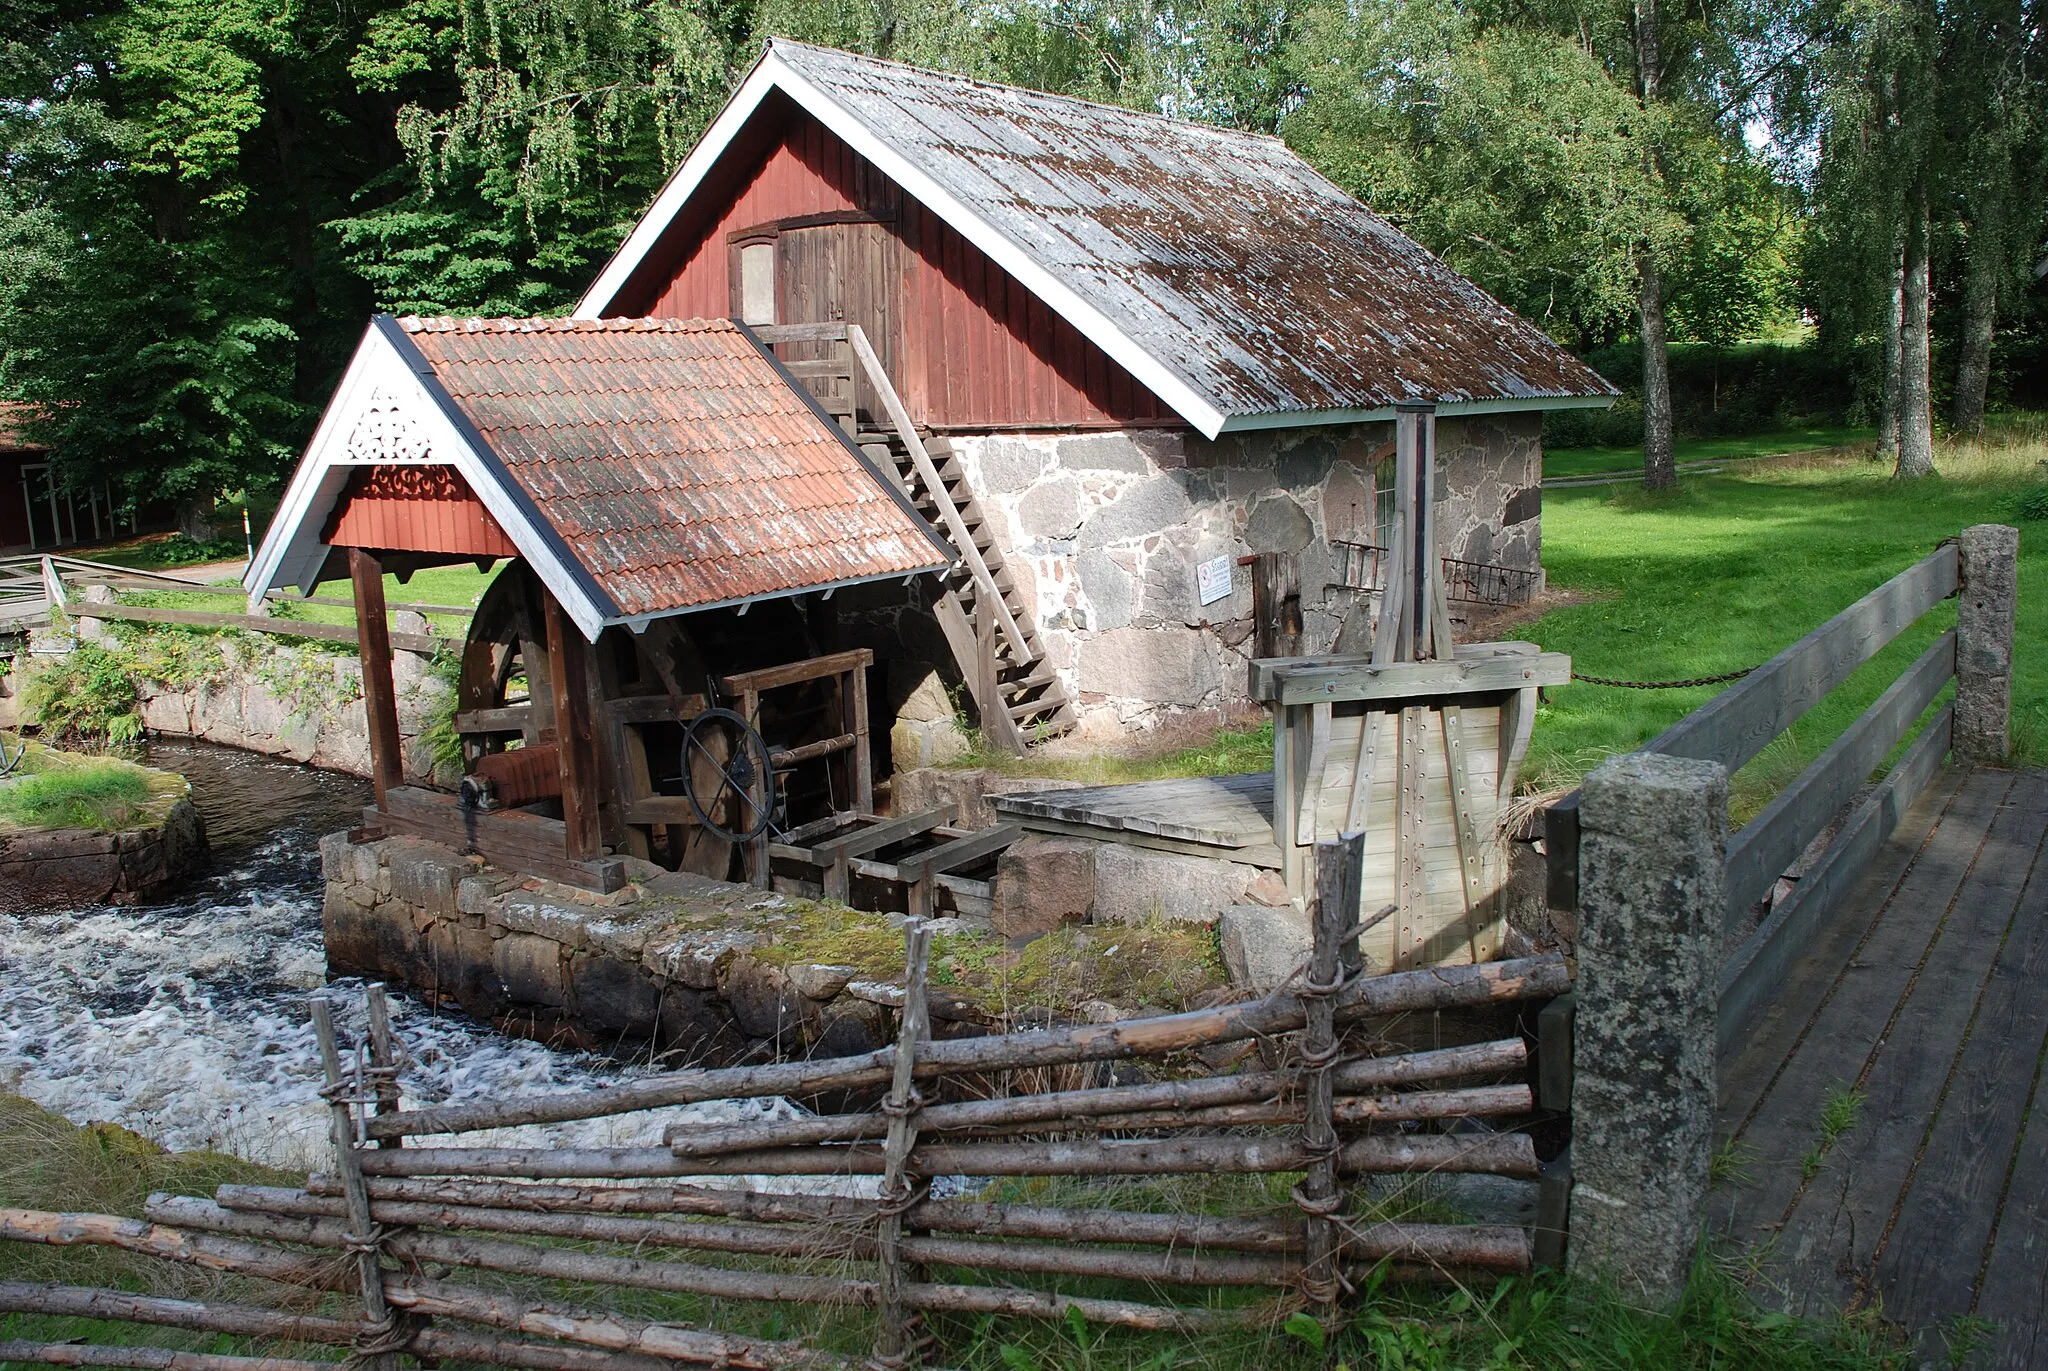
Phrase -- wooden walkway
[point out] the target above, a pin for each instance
(1889, 1132)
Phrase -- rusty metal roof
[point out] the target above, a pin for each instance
(673, 460)
(1222, 254)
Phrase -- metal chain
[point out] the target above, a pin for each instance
(1723, 678)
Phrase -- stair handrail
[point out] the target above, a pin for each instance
(928, 472)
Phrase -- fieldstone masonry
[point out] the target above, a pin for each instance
(1105, 531)
(1984, 629)
(1653, 840)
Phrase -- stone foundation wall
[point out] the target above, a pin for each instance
(77, 868)
(611, 973)
(1105, 530)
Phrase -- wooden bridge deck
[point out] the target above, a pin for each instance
(1926, 997)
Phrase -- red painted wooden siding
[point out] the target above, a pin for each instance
(415, 509)
(976, 350)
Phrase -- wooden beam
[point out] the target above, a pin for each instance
(1742, 720)
(792, 673)
(1773, 840)
(380, 696)
(1414, 681)
(510, 838)
(800, 333)
(568, 662)
(256, 623)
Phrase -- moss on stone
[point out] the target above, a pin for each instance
(53, 789)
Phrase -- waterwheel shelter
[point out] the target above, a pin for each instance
(676, 510)
(1137, 350)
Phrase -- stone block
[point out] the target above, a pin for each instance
(529, 914)
(348, 927)
(850, 1027)
(1278, 523)
(424, 874)
(1984, 636)
(695, 958)
(1149, 506)
(1160, 666)
(531, 970)
(337, 858)
(819, 982)
(1051, 509)
(1133, 884)
(1006, 466)
(689, 1028)
(476, 894)
(920, 743)
(1042, 882)
(966, 790)
(1107, 587)
(1102, 452)
(460, 968)
(765, 1005)
(1262, 946)
(615, 997)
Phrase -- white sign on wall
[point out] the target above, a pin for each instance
(1212, 579)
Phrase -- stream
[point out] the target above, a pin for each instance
(186, 1021)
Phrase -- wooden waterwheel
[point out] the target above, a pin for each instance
(709, 737)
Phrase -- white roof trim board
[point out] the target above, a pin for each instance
(1093, 236)
(381, 382)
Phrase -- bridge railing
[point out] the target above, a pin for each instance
(1670, 973)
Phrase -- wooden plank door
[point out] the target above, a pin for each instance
(841, 273)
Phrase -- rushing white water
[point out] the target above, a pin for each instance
(187, 1021)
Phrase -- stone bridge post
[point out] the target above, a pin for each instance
(1984, 628)
(1653, 840)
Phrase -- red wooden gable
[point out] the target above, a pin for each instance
(969, 347)
(415, 509)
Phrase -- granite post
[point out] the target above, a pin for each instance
(1984, 629)
(1652, 851)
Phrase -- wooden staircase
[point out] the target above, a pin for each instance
(980, 609)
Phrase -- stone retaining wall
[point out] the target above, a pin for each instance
(76, 868)
(664, 964)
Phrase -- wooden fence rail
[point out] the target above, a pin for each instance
(1328, 1104)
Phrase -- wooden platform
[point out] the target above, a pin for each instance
(1227, 817)
(1924, 995)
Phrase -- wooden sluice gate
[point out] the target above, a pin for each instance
(1417, 745)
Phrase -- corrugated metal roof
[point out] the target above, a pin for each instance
(1221, 254)
(672, 459)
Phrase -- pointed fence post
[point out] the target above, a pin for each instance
(380, 1338)
(1340, 868)
(896, 1342)
(1653, 841)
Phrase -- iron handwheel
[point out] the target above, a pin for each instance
(745, 761)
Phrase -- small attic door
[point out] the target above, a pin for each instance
(828, 269)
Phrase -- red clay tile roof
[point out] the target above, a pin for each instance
(673, 460)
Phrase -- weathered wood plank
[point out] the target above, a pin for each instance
(250, 623)
(1760, 967)
(1852, 1002)
(1773, 840)
(791, 673)
(1419, 680)
(1740, 722)
(1264, 672)
(512, 839)
(1221, 811)
(2015, 1286)
(1928, 1269)
(1834, 1234)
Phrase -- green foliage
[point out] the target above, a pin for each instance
(443, 742)
(88, 695)
(306, 680)
(100, 793)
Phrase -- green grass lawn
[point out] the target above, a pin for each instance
(1731, 568)
(1588, 461)
(460, 586)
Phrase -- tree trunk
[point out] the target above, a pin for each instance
(1980, 320)
(1888, 405)
(1916, 406)
(1660, 462)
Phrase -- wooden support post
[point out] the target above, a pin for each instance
(895, 1341)
(383, 1058)
(380, 696)
(1276, 604)
(1653, 840)
(1339, 867)
(379, 1323)
(568, 658)
(1989, 577)
(855, 696)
